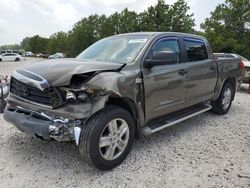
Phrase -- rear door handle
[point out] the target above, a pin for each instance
(182, 72)
(212, 67)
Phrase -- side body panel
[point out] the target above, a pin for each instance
(164, 87)
(165, 90)
(227, 68)
(201, 82)
(203, 72)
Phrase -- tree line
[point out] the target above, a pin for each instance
(227, 28)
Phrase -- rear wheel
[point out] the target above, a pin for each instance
(0, 59)
(223, 103)
(107, 137)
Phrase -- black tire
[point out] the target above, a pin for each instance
(0, 59)
(17, 59)
(217, 106)
(93, 130)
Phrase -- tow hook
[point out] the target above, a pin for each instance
(77, 133)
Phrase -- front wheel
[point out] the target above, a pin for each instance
(223, 103)
(107, 138)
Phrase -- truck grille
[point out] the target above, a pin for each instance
(50, 96)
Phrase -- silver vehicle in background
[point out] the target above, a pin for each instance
(28, 54)
(56, 56)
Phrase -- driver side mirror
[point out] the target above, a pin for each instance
(161, 58)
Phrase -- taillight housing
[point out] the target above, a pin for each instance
(242, 65)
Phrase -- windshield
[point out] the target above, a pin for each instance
(117, 49)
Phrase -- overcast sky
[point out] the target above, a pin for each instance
(22, 18)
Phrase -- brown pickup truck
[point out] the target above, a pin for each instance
(119, 88)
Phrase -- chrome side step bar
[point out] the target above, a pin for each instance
(155, 127)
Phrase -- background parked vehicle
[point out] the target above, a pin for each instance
(41, 55)
(28, 54)
(10, 57)
(56, 55)
(3, 51)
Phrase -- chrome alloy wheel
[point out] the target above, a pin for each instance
(114, 139)
(227, 97)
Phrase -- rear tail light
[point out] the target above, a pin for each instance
(242, 65)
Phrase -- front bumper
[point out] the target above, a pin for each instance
(43, 126)
(26, 121)
(71, 111)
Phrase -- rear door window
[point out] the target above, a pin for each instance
(196, 49)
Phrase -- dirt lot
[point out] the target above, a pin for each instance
(205, 151)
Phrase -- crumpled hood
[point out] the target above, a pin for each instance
(58, 72)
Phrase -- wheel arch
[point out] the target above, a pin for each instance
(230, 79)
(127, 104)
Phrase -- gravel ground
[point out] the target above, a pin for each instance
(205, 151)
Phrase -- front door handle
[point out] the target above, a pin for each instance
(182, 72)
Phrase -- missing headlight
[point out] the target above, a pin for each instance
(76, 97)
(70, 97)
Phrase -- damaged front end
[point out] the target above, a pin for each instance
(43, 126)
(53, 112)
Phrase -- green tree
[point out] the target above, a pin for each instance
(128, 21)
(38, 44)
(25, 43)
(83, 34)
(163, 17)
(180, 20)
(10, 47)
(155, 18)
(58, 42)
(228, 28)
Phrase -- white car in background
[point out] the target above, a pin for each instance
(10, 57)
(56, 55)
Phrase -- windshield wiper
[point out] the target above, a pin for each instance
(121, 67)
